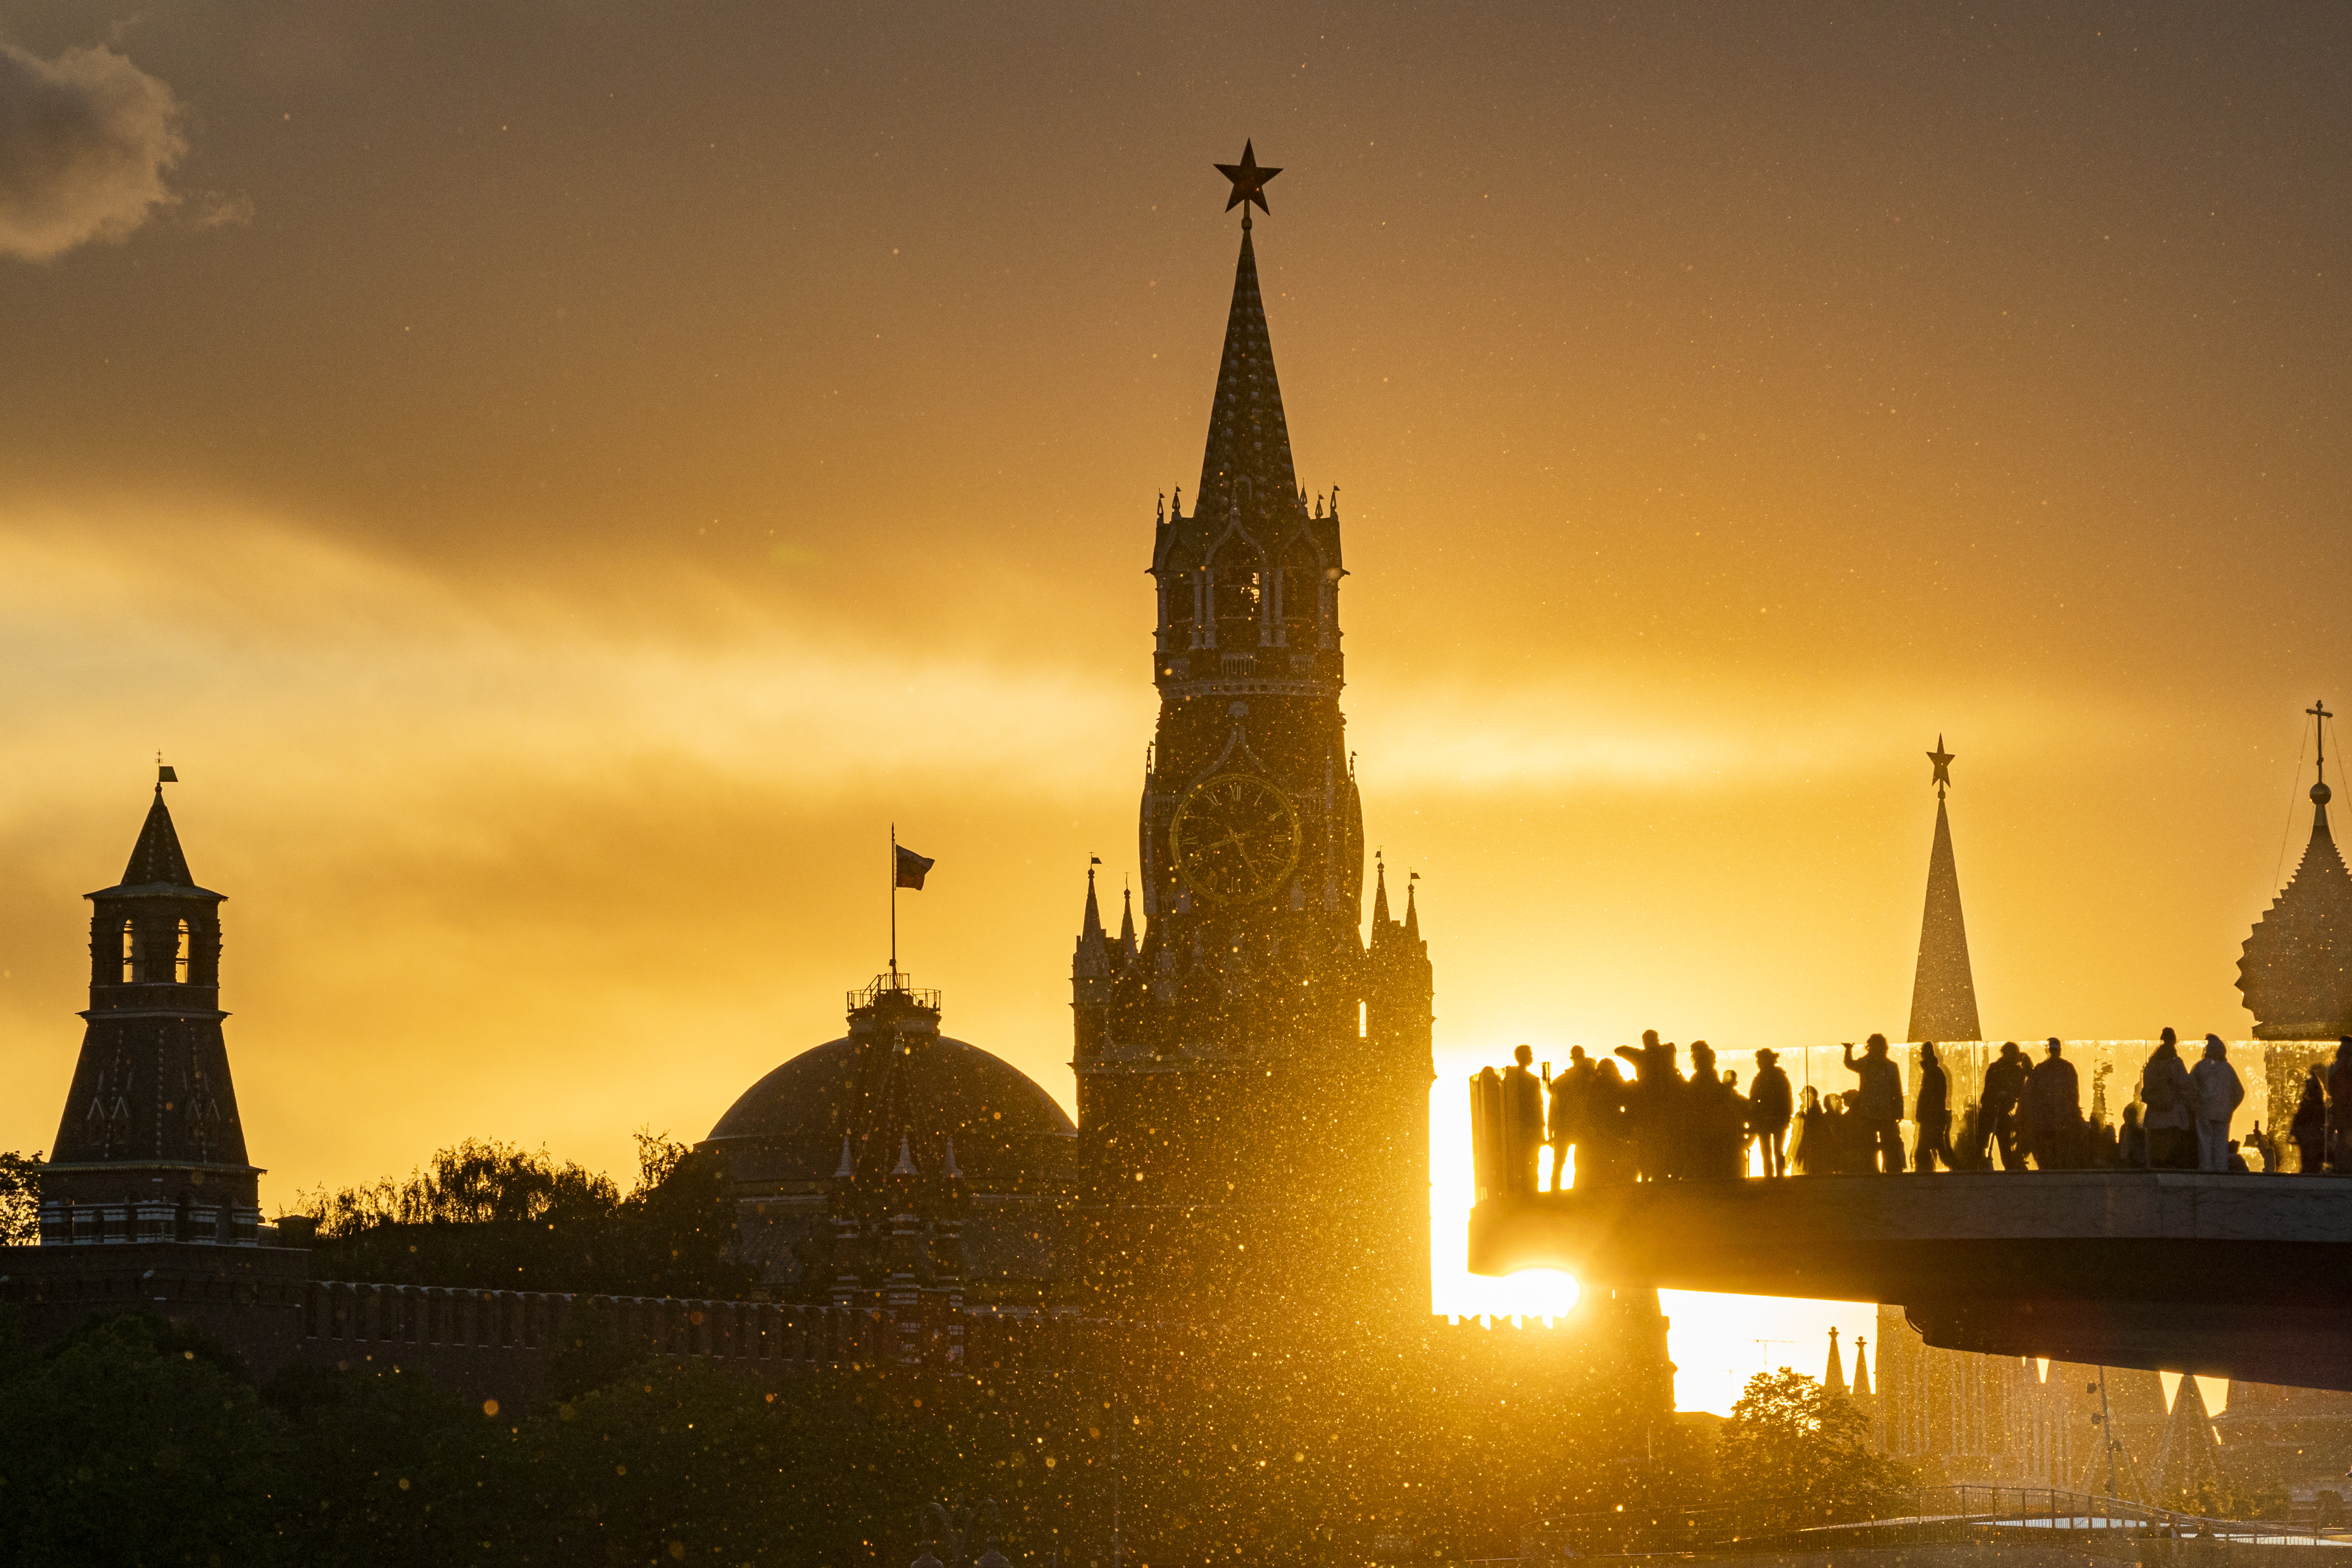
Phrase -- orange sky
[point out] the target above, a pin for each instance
(559, 482)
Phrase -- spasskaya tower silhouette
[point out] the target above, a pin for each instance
(1253, 1072)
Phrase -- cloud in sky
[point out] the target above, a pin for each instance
(85, 141)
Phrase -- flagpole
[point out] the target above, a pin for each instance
(894, 904)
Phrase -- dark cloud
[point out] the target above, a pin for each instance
(85, 141)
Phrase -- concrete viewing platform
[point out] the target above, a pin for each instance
(2229, 1275)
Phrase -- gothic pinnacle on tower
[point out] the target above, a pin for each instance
(2296, 971)
(1943, 990)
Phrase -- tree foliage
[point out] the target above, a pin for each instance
(490, 1216)
(20, 1198)
(1793, 1453)
(133, 1443)
(1275, 1451)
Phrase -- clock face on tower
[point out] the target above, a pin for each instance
(1235, 839)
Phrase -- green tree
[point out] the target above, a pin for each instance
(20, 1198)
(1795, 1454)
(136, 1443)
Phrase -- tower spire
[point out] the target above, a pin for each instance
(1249, 440)
(1943, 988)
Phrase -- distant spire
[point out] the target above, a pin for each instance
(906, 1165)
(1861, 1367)
(847, 1170)
(1127, 920)
(2186, 1457)
(1412, 915)
(1833, 1380)
(1943, 988)
(1380, 893)
(2295, 973)
(948, 1168)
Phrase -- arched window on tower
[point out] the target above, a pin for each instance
(1179, 587)
(180, 957)
(1302, 594)
(130, 964)
(1240, 587)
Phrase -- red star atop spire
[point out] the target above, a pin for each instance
(1249, 181)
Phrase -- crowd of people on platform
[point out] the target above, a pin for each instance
(1658, 1124)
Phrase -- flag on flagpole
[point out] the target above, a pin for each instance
(910, 869)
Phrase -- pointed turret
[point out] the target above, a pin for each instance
(1380, 896)
(1412, 915)
(1092, 959)
(1127, 928)
(1861, 1370)
(157, 863)
(1091, 981)
(1943, 989)
(1833, 1376)
(2296, 969)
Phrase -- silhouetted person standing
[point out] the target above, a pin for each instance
(2004, 1091)
(2309, 1128)
(2216, 1095)
(1876, 1106)
(1841, 1150)
(1933, 1113)
(2053, 1105)
(1717, 1120)
(2339, 1110)
(1770, 1107)
(1810, 1121)
(2171, 1119)
(1605, 1155)
(1572, 1116)
(1523, 1110)
(2131, 1141)
(1656, 1103)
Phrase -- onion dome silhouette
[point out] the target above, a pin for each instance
(2296, 972)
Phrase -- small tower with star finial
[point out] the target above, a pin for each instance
(2296, 972)
(1943, 989)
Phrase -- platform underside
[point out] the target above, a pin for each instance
(2245, 1277)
